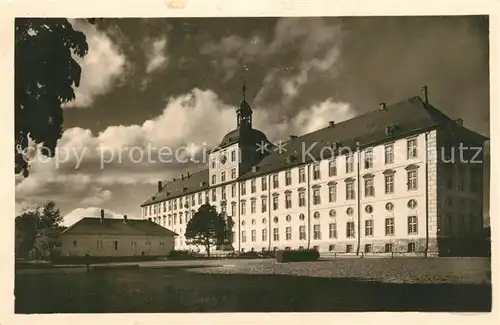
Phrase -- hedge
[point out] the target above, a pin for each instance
(297, 255)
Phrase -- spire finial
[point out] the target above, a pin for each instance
(243, 88)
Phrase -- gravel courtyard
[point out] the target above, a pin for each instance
(347, 284)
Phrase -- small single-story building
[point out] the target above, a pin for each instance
(116, 238)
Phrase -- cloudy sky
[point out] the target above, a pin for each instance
(175, 82)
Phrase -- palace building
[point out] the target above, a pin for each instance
(402, 178)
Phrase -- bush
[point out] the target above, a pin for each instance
(297, 255)
(268, 254)
(183, 255)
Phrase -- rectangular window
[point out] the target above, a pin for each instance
(317, 232)
(223, 177)
(332, 193)
(288, 200)
(213, 178)
(233, 209)
(288, 178)
(302, 175)
(264, 204)
(350, 194)
(389, 226)
(275, 202)
(332, 230)
(369, 188)
(349, 166)
(350, 229)
(99, 245)
(214, 195)
(316, 171)
(233, 173)
(233, 155)
(115, 245)
(349, 248)
(302, 232)
(264, 235)
(243, 207)
(243, 188)
(252, 186)
(233, 190)
(253, 206)
(411, 247)
(275, 181)
(368, 248)
(388, 248)
(213, 163)
(254, 235)
(412, 180)
(75, 243)
(243, 236)
(368, 227)
(302, 199)
(389, 153)
(264, 183)
(332, 168)
(316, 196)
(412, 225)
(411, 146)
(223, 193)
(389, 184)
(276, 234)
(368, 158)
(288, 233)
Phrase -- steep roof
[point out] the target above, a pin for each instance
(91, 225)
(408, 117)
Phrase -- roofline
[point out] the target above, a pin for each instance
(149, 234)
(248, 176)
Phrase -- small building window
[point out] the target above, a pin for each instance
(348, 248)
(115, 245)
(368, 248)
(388, 248)
(411, 247)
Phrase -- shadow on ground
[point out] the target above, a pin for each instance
(151, 290)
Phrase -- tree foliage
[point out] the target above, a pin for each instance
(45, 74)
(206, 228)
(37, 231)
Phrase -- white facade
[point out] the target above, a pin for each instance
(401, 218)
(115, 245)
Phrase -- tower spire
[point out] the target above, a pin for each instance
(243, 87)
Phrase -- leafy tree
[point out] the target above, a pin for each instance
(38, 231)
(206, 228)
(45, 74)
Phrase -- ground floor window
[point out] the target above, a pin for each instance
(331, 248)
(368, 248)
(388, 248)
(115, 244)
(301, 247)
(411, 247)
(348, 248)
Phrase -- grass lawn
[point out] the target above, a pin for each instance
(340, 285)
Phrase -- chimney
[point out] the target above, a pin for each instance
(423, 89)
(102, 215)
(125, 219)
(331, 123)
(382, 106)
(459, 122)
(254, 169)
(159, 186)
